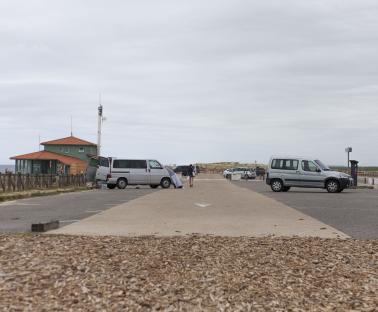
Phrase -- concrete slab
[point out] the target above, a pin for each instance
(213, 206)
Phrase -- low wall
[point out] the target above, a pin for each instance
(20, 182)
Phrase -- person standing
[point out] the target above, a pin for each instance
(191, 175)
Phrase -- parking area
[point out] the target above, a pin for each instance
(17, 216)
(354, 212)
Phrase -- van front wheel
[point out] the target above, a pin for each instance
(165, 183)
(276, 185)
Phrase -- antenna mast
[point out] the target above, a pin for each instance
(100, 119)
(71, 126)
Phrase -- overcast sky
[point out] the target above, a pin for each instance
(192, 81)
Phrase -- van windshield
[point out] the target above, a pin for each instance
(321, 165)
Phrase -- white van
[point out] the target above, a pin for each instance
(125, 172)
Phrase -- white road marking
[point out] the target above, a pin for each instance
(68, 221)
(202, 205)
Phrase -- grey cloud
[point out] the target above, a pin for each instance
(192, 81)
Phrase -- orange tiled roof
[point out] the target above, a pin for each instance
(44, 155)
(71, 140)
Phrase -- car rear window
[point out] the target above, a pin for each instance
(285, 164)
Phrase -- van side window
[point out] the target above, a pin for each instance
(285, 164)
(308, 166)
(119, 163)
(130, 164)
(155, 164)
(138, 164)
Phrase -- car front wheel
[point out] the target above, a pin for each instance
(276, 186)
(332, 186)
(165, 183)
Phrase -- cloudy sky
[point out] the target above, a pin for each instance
(192, 81)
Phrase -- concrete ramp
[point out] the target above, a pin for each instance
(214, 206)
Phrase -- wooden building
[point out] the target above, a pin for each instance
(69, 155)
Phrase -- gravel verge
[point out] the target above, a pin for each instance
(193, 273)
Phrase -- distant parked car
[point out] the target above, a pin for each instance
(286, 172)
(260, 171)
(184, 170)
(246, 173)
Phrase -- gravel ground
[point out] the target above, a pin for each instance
(73, 273)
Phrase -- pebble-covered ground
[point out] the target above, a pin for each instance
(73, 273)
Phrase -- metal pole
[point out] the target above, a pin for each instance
(348, 160)
(99, 130)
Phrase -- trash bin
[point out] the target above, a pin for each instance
(354, 171)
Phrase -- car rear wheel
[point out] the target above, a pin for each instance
(332, 186)
(276, 186)
(165, 183)
(111, 186)
(121, 183)
(154, 186)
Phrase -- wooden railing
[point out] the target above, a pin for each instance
(10, 182)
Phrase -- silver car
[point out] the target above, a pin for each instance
(286, 172)
(125, 172)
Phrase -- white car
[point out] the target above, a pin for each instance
(246, 173)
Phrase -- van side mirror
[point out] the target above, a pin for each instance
(318, 170)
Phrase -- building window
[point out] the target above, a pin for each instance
(67, 150)
(81, 150)
(62, 149)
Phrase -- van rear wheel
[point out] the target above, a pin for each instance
(111, 186)
(154, 186)
(165, 183)
(121, 183)
(276, 186)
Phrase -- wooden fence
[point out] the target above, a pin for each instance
(10, 182)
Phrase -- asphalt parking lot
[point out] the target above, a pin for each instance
(17, 216)
(354, 211)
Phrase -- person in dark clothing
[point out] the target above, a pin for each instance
(191, 175)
